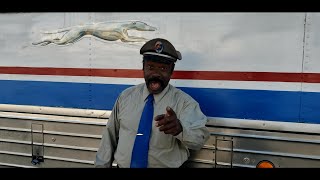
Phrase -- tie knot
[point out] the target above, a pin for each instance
(150, 97)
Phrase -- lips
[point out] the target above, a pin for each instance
(155, 84)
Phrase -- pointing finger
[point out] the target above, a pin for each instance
(170, 111)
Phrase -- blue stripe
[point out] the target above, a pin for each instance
(60, 94)
(228, 103)
(248, 104)
(310, 107)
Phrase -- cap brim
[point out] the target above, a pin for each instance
(179, 55)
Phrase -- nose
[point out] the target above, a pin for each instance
(155, 75)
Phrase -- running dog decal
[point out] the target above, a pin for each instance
(110, 31)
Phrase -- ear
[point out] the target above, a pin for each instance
(143, 61)
(172, 67)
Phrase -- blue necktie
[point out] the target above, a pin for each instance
(139, 158)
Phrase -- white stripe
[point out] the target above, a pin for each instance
(157, 54)
(76, 79)
(311, 87)
(255, 85)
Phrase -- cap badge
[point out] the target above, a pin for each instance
(158, 47)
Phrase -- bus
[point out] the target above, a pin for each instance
(255, 75)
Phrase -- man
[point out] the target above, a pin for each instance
(153, 124)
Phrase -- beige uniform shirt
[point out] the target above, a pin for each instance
(165, 150)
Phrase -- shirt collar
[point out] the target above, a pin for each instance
(157, 97)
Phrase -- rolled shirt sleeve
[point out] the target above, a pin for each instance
(109, 141)
(193, 121)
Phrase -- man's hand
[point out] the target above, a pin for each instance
(168, 122)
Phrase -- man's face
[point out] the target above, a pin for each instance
(157, 75)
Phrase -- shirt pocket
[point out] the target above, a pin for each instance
(161, 140)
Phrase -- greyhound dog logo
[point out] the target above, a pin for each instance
(158, 47)
(109, 31)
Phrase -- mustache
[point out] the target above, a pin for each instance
(155, 79)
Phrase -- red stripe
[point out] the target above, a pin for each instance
(192, 75)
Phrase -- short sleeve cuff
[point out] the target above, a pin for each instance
(181, 135)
